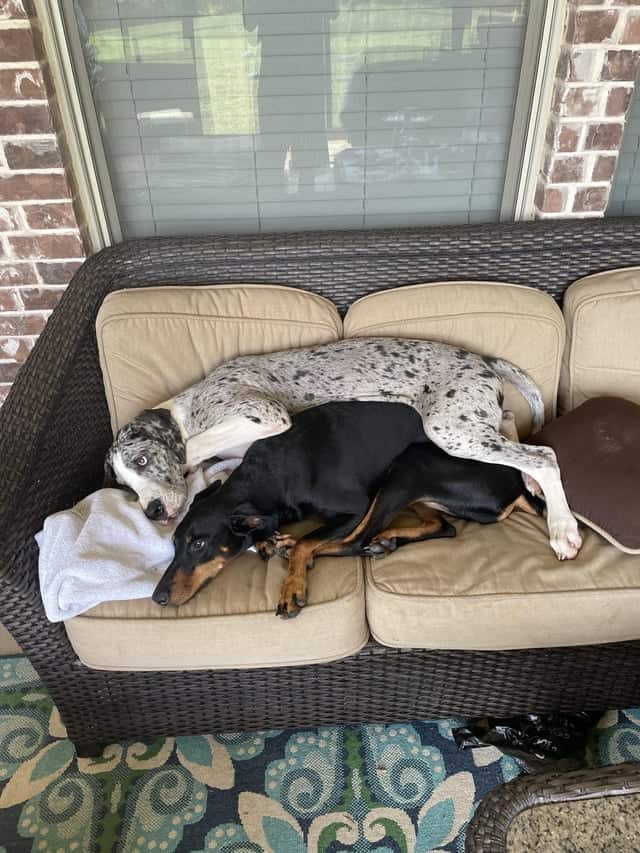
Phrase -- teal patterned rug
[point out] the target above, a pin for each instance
(383, 788)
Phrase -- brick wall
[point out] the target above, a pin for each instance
(40, 245)
(594, 82)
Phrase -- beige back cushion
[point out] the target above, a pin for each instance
(602, 355)
(506, 320)
(156, 341)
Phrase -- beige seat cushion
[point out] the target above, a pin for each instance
(514, 322)
(230, 623)
(156, 341)
(499, 586)
(602, 355)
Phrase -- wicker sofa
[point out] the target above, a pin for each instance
(56, 426)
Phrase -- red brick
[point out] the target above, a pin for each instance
(620, 65)
(582, 101)
(16, 45)
(30, 118)
(631, 34)
(11, 9)
(10, 299)
(9, 219)
(23, 324)
(47, 246)
(41, 216)
(567, 169)
(594, 27)
(33, 154)
(569, 137)
(591, 199)
(21, 84)
(618, 101)
(21, 273)
(603, 136)
(16, 348)
(549, 199)
(604, 167)
(8, 371)
(40, 298)
(58, 273)
(28, 187)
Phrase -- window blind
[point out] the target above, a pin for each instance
(625, 191)
(256, 115)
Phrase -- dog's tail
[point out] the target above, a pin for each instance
(508, 372)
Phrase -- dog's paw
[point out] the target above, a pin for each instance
(379, 548)
(565, 538)
(375, 551)
(278, 545)
(293, 597)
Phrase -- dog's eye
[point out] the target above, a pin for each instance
(141, 461)
(197, 544)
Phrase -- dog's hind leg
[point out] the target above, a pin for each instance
(432, 526)
(481, 441)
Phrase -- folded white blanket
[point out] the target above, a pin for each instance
(106, 549)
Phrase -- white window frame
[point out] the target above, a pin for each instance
(543, 38)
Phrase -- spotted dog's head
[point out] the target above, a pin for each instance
(207, 538)
(148, 456)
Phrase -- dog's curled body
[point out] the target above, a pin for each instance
(458, 395)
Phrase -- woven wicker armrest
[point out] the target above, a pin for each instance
(489, 828)
(54, 429)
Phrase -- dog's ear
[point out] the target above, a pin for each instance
(109, 481)
(205, 493)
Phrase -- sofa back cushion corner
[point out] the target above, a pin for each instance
(602, 353)
(155, 341)
(520, 323)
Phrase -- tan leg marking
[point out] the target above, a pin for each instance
(431, 519)
(184, 586)
(293, 595)
(521, 503)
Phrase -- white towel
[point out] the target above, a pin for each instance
(106, 549)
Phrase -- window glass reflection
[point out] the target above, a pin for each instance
(224, 115)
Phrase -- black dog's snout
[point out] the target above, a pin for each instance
(154, 510)
(161, 597)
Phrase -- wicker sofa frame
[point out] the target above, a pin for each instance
(54, 430)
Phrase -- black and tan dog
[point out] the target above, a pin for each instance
(333, 462)
(429, 482)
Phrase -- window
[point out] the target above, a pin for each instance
(625, 191)
(259, 115)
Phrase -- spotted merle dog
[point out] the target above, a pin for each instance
(458, 395)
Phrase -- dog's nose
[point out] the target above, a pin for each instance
(161, 597)
(154, 510)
